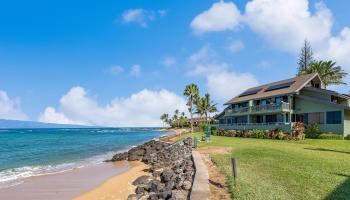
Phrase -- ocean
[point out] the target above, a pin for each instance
(32, 152)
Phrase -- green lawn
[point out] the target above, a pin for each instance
(273, 169)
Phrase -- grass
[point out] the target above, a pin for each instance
(273, 169)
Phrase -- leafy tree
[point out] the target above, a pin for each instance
(205, 106)
(305, 57)
(176, 117)
(182, 119)
(164, 118)
(192, 93)
(329, 71)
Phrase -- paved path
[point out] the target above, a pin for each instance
(200, 188)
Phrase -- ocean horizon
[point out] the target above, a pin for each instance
(33, 152)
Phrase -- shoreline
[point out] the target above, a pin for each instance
(65, 185)
(117, 187)
(68, 184)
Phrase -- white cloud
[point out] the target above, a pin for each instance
(236, 46)
(10, 108)
(222, 82)
(338, 49)
(141, 16)
(221, 16)
(140, 109)
(168, 61)
(115, 70)
(285, 24)
(135, 70)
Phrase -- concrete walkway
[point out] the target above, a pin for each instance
(200, 188)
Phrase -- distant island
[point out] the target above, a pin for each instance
(12, 124)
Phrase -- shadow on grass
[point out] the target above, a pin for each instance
(342, 191)
(330, 150)
(216, 184)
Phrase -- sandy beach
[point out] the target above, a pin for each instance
(69, 184)
(118, 187)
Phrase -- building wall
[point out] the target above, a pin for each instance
(346, 122)
(306, 106)
(318, 95)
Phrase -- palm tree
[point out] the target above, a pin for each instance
(164, 118)
(176, 117)
(192, 92)
(205, 106)
(330, 73)
(182, 119)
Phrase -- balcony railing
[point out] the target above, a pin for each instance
(260, 108)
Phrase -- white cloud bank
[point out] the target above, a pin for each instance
(221, 16)
(10, 108)
(140, 109)
(283, 24)
(222, 82)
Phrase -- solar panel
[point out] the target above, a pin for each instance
(279, 86)
(249, 92)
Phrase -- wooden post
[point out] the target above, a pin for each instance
(195, 142)
(234, 170)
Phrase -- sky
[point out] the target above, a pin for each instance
(124, 63)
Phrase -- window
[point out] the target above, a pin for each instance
(334, 117)
(316, 118)
(229, 121)
(222, 121)
(271, 118)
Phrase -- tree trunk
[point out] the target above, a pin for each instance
(191, 117)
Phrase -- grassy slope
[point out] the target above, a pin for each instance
(273, 169)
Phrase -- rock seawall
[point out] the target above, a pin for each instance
(171, 166)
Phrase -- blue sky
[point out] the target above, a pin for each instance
(61, 60)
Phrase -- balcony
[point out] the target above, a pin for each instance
(260, 126)
(269, 108)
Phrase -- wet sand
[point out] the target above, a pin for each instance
(65, 185)
(118, 187)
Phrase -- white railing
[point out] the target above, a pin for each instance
(260, 108)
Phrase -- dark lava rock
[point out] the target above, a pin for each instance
(172, 169)
(143, 180)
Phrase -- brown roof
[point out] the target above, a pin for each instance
(298, 83)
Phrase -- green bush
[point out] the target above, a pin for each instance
(267, 134)
(257, 133)
(312, 131)
(347, 137)
(280, 135)
(330, 136)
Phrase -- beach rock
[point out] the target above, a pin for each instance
(143, 180)
(133, 197)
(172, 169)
(166, 175)
(119, 157)
(186, 185)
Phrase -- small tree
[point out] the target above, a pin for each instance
(164, 118)
(192, 92)
(305, 57)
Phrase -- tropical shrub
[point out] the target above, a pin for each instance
(298, 131)
(267, 134)
(347, 137)
(330, 136)
(286, 136)
(274, 133)
(231, 133)
(280, 135)
(257, 133)
(312, 131)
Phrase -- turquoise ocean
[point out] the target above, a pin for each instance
(32, 152)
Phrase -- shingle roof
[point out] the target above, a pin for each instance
(298, 83)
